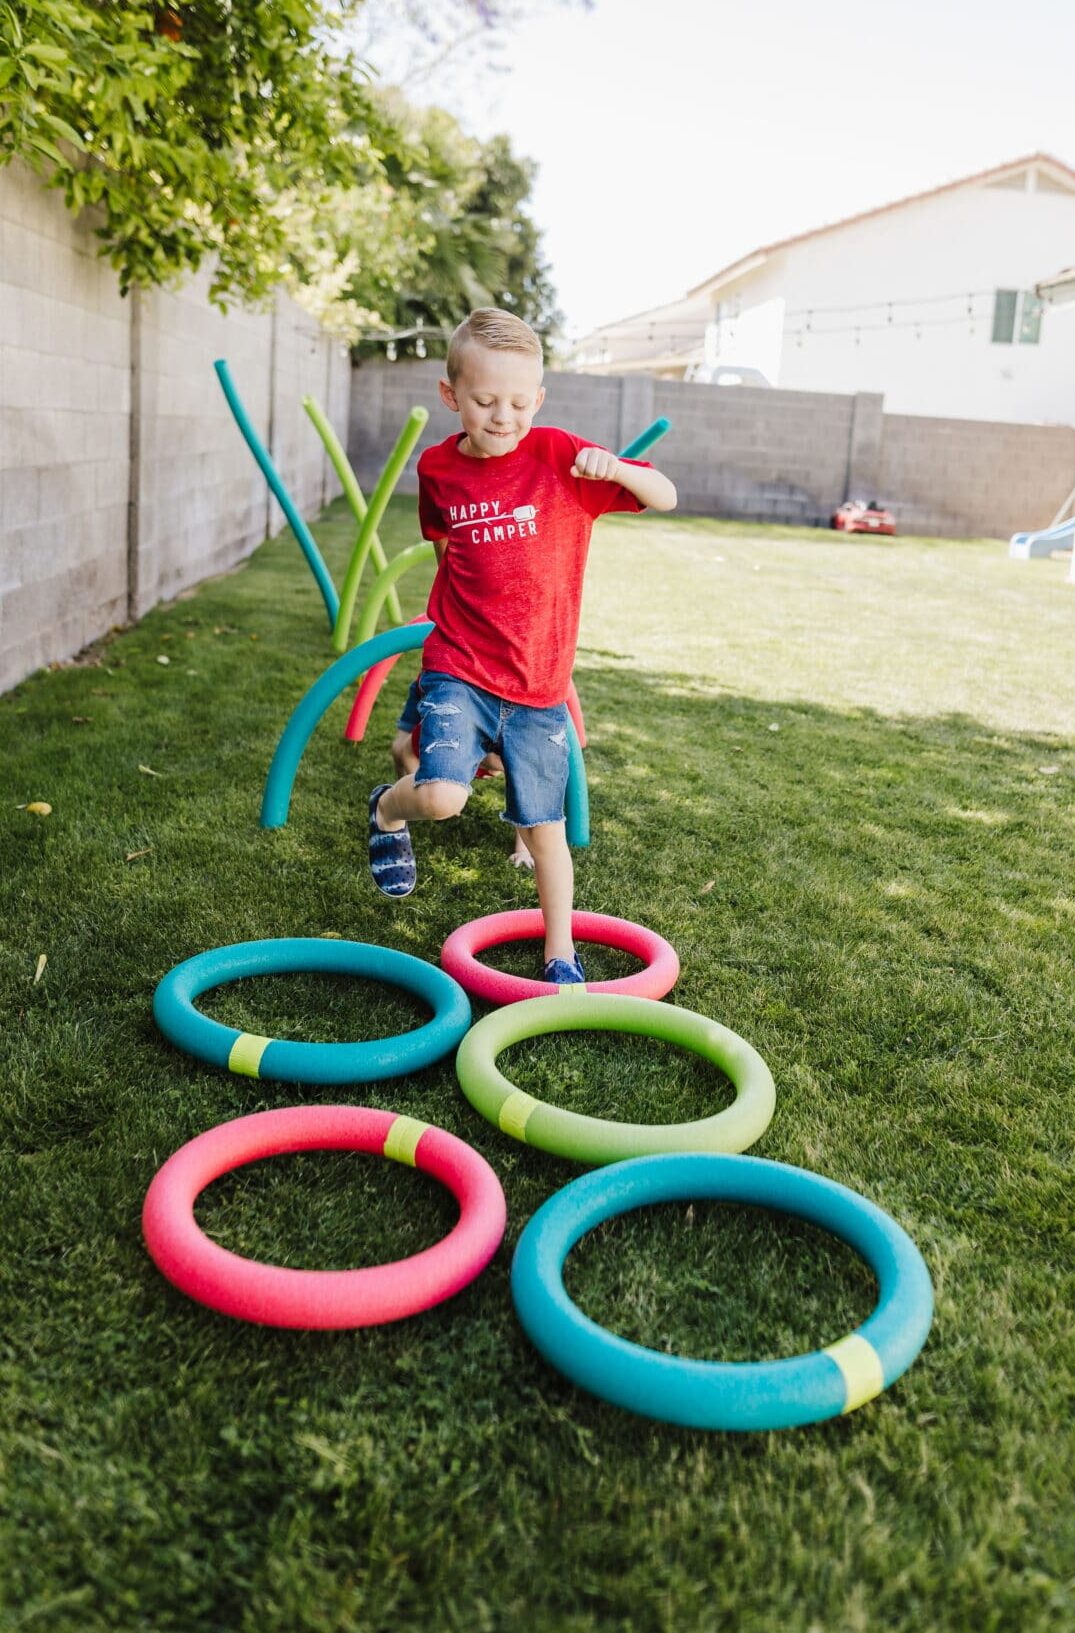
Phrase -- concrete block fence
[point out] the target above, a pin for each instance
(123, 478)
(770, 456)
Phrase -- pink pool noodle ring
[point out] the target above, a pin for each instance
(279, 1297)
(458, 956)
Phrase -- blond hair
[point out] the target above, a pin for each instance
(498, 330)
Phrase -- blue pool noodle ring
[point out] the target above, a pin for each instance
(716, 1394)
(294, 1062)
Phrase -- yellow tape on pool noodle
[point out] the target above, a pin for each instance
(515, 1113)
(861, 1366)
(401, 1141)
(246, 1053)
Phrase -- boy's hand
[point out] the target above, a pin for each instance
(597, 464)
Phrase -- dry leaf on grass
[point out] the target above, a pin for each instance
(42, 960)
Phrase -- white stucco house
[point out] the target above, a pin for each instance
(931, 301)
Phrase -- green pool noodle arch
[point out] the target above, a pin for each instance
(413, 427)
(307, 543)
(352, 493)
(276, 800)
(381, 588)
(645, 439)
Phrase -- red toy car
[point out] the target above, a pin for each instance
(856, 516)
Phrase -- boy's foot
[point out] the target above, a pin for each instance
(391, 855)
(564, 974)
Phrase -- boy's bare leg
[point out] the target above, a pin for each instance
(555, 874)
(403, 756)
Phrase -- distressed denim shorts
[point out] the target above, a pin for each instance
(461, 724)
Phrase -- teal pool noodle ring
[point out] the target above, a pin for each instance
(307, 542)
(741, 1395)
(288, 1060)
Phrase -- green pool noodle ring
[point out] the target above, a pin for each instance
(307, 542)
(412, 430)
(381, 587)
(352, 492)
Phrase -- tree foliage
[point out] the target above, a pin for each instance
(192, 127)
(464, 202)
(245, 134)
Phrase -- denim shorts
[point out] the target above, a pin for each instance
(461, 724)
(409, 717)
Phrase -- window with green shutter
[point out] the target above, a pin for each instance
(1004, 305)
(1016, 316)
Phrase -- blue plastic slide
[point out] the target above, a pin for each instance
(1025, 545)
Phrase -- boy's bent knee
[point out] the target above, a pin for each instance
(441, 800)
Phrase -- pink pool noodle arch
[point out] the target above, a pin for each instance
(369, 690)
(374, 679)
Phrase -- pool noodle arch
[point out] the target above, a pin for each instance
(307, 542)
(375, 677)
(415, 555)
(276, 799)
(412, 429)
(352, 493)
(645, 439)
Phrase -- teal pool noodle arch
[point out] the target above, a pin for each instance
(645, 439)
(307, 542)
(276, 800)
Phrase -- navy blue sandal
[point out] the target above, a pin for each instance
(391, 854)
(563, 974)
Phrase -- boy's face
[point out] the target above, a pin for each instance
(496, 395)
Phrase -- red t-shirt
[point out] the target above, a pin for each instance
(507, 596)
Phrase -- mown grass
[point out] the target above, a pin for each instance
(837, 775)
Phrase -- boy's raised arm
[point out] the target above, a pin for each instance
(649, 486)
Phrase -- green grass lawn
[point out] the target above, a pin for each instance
(838, 776)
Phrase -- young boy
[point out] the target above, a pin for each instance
(510, 510)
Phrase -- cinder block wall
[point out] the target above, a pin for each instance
(123, 477)
(65, 368)
(770, 456)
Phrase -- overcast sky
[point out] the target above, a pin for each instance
(674, 136)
